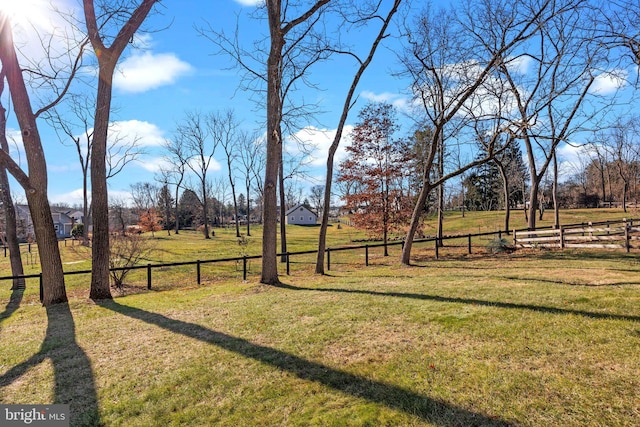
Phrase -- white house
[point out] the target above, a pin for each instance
(301, 215)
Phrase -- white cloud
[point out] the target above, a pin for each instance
(146, 134)
(214, 166)
(120, 196)
(71, 198)
(519, 64)
(145, 71)
(155, 164)
(609, 82)
(319, 140)
(250, 2)
(16, 146)
(398, 101)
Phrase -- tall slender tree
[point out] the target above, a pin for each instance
(35, 183)
(364, 63)
(224, 129)
(107, 57)
(200, 149)
(11, 227)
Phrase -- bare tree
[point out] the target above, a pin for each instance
(11, 227)
(144, 195)
(551, 98)
(177, 158)
(317, 197)
(126, 251)
(623, 144)
(76, 126)
(35, 181)
(223, 127)
(131, 18)
(348, 103)
(199, 149)
(453, 81)
(250, 150)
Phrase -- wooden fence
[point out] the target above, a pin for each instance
(242, 263)
(601, 235)
(576, 235)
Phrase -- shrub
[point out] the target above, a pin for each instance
(125, 252)
(500, 245)
(77, 231)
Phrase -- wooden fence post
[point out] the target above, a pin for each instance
(561, 237)
(328, 259)
(148, 276)
(436, 245)
(198, 276)
(515, 239)
(41, 288)
(627, 238)
(288, 264)
(244, 267)
(366, 255)
(469, 245)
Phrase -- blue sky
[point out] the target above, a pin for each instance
(174, 70)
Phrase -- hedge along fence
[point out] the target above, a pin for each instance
(243, 261)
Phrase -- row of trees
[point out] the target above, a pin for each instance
(604, 172)
(492, 77)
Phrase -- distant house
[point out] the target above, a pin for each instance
(77, 216)
(62, 222)
(301, 215)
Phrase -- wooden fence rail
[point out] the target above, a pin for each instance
(605, 235)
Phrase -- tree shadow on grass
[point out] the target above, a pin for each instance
(14, 303)
(73, 376)
(472, 301)
(570, 283)
(431, 410)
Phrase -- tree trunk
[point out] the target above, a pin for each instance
(35, 185)
(100, 288)
(283, 211)
(533, 204)
(248, 210)
(235, 208)
(205, 209)
(440, 231)
(324, 222)
(11, 231)
(415, 221)
(554, 193)
(177, 210)
(269, 274)
(86, 220)
(107, 58)
(11, 228)
(505, 191)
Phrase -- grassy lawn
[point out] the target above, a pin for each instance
(532, 338)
